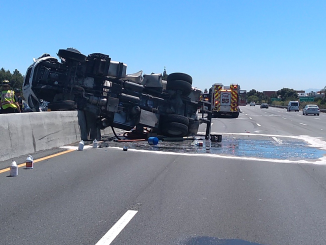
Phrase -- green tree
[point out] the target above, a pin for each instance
(4, 75)
(254, 95)
(253, 98)
(251, 92)
(287, 94)
(16, 79)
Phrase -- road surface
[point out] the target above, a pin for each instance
(154, 196)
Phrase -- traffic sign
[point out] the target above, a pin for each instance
(307, 99)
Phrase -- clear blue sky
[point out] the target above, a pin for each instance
(259, 44)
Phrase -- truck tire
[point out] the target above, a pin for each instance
(175, 129)
(179, 76)
(71, 54)
(175, 118)
(65, 105)
(98, 55)
(180, 85)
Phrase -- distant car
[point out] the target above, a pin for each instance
(252, 103)
(293, 106)
(264, 105)
(311, 109)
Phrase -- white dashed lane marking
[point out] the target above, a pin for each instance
(117, 228)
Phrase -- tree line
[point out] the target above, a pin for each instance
(15, 78)
(284, 94)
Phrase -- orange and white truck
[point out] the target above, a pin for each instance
(225, 100)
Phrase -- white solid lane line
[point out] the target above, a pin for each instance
(117, 228)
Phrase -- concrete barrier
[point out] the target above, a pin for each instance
(26, 133)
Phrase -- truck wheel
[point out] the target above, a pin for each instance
(71, 54)
(175, 118)
(180, 85)
(179, 76)
(65, 105)
(175, 129)
(99, 55)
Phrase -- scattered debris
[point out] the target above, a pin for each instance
(13, 169)
(81, 146)
(152, 140)
(95, 144)
(29, 162)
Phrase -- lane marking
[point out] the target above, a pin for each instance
(37, 160)
(320, 161)
(117, 228)
(258, 125)
(75, 148)
(279, 141)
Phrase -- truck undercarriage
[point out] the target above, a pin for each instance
(105, 96)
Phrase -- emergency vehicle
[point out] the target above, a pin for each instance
(225, 100)
(243, 98)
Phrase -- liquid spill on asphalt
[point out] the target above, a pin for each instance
(240, 146)
(289, 149)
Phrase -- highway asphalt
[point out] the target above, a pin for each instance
(175, 198)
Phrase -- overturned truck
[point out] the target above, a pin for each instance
(105, 96)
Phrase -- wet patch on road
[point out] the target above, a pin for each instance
(288, 149)
(241, 145)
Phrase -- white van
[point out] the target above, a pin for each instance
(293, 106)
